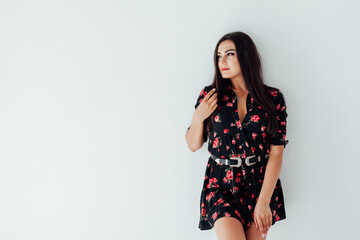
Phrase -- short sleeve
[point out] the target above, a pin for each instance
(281, 115)
(201, 96)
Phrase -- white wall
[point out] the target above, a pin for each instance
(96, 97)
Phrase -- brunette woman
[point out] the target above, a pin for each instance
(244, 121)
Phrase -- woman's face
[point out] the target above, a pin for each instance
(228, 62)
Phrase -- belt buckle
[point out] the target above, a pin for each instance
(248, 159)
(239, 161)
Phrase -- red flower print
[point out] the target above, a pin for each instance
(236, 189)
(237, 213)
(210, 195)
(242, 200)
(214, 216)
(238, 123)
(274, 93)
(226, 130)
(203, 212)
(229, 104)
(277, 217)
(225, 179)
(277, 198)
(219, 201)
(274, 212)
(283, 108)
(225, 98)
(229, 174)
(277, 107)
(250, 207)
(282, 123)
(253, 149)
(252, 195)
(237, 180)
(233, 141)
(212, 180)
(215, 142)
(202, 204)
(226, 204)
(263, 128)
(216, 118)
(247, 144)
(253, 135)
(227, 214)
(261, 146)
(255, 118)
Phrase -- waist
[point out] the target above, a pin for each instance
(238, 161)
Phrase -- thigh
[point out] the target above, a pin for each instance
(253, 233)
(229, 228)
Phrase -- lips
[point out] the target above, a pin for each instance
(224, 69)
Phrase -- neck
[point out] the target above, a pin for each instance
(238, 83)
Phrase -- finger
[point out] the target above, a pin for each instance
(266, 225)
(213, 103)
(261, 226)
(213, 97)
(270, 223)
(209, 94)
(256, 224)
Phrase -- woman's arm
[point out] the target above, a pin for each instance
(204, 107)
(194, 135)
(272, 173)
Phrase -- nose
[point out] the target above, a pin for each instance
(222, 62)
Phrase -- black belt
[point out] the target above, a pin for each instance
(238, 161)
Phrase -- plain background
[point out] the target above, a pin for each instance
(96, 97)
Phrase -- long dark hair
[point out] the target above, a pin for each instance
(250, 63)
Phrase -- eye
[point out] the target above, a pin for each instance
(230, 53)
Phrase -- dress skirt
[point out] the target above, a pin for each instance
(233, 192)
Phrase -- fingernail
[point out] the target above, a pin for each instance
(262, 235)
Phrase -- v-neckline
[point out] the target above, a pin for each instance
(237, 107)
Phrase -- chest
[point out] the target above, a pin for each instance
(234, 115)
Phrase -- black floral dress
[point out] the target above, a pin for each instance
(233, 191)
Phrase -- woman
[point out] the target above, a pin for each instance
(245, 123)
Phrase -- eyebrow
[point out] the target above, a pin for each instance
(228, 50)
